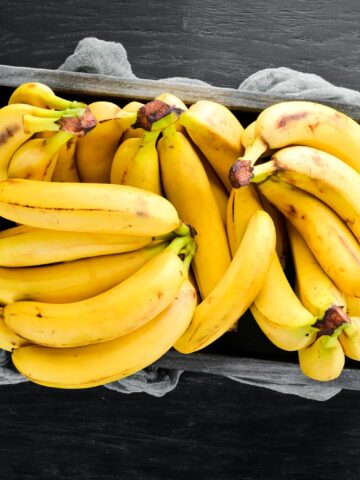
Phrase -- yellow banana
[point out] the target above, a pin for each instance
(136, 163)
(40, 95)
(236, 290)
(173, 101)
(8, 339)
(95, 151)
(323, 231)
(219, 191)
(317, 292)
(72, 281)
(306, 123)
(217, 133)
(12, 134)
(25, 246)
(323, 360)
(350, 339)
(87, 207)
(248, 135)
(353, 305)
(65, 168)
(36, 158)
(108, 315)
(94, 365)
(282, 241)
(321, 174)
(131, 132)
(243, 202)
(187, 187)
(286, 337)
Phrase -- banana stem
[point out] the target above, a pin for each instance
(54, 143)
(149, 137)
(169, 131)
(178, 244)
(254, 151)
(32, 124)
(242, 172)
(189, 254)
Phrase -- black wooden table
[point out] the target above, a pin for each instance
(209, 427)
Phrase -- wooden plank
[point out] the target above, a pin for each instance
(86, 84)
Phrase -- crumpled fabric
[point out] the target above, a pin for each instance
(93, 55)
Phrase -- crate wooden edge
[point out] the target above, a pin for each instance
(87, 84)
(97, 85)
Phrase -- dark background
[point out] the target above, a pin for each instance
(209, 427)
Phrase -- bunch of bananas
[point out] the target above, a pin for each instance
(146, 227)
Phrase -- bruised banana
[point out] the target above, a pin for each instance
(25, 246)
(136, 163)
(217, 133)
(36, 159)
(323, 231)
(323, 360)
(94, 365)
(306, 123)
(187, 187)
(116, 312)
(236, 290)
(72, 281)
(65, 168)
(87, 207)
(40, 95)
(321, 174)
(12, 131)
(95, 151)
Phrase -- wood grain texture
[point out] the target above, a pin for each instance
(193, 433)
(218, 43)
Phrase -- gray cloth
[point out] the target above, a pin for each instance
(98, 56)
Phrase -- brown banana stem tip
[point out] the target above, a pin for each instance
(334, 317)
(153, 111)
(79, 126)
(241, 173)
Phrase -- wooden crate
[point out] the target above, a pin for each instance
(246, 353)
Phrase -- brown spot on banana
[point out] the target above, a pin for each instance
(334, 317)
(284, 121)
(8, 132)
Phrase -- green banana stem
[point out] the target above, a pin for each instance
(149, 137)
(54, 143)
(190, 251)
(51, 113)
(76, 121)
(60, 103)
(179, 244)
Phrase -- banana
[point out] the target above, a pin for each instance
(95, 151)
(323, 360)
(248, 135)
(243, 202)
(321, 174)
(25, 246)
(116, 312)
(236, 290)
(288, 338)
(72, 281)
(220, 193)
(87, 207)
(12, 133)
(136, 163)
(131, 132)
(282, 241)
(350, 339)
(40, 95)
(8, 339)
(36, 158)
(306, 123)
(65, 168)
(173, 101)
(353, 305)
(217, 133)
(323, 231)
(187, 187)
(277, 301)
(97, 364)
(317, 292)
